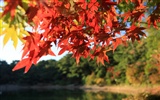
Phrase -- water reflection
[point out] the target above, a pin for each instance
(60, 95)
(142, 96)
(63, 94)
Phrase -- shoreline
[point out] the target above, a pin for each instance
(122, 89)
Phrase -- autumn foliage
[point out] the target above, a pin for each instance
(86, 28)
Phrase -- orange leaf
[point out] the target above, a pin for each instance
(62, 51)
(50, 52)
(117, 42)
(23, 63)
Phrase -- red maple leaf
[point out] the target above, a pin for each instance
(31, 12)
(116, 43)
(136, 15)
(93, 5)
(100, 53)
(11, 7)
(81, 3)
(23, 63)
(134, 32)
(79, 26)
(154, 18)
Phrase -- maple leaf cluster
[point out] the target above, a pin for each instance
(86, 28)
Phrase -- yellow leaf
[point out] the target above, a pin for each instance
(75, 21)
(20, 10)
(3, 27)
(14, 38)
(0, 27)
(14, 32)
(7, 36)
(20, 36)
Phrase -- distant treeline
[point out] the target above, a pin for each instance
(136, 63)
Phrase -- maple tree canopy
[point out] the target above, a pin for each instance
(86, 28)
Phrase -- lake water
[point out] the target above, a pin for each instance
(59, 95)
